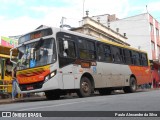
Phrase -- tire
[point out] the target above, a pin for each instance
(52, 95)
(132, 87)
(85, 88)
(105, 91)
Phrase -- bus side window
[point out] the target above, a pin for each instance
(107, 53)
(86, 49)
(91, 50)
(100, 52)
(144, 60)
(70, 52)
(136, 58)
(127, 56)
(82, 49)
(117, 54)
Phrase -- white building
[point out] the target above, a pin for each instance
(142, 32)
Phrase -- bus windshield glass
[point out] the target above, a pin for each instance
(36, 54)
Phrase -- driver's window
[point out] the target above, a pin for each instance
(70, 52)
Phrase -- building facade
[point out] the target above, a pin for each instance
(94, 28)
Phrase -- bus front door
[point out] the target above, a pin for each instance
(68, 77)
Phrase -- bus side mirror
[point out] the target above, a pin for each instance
(65, 43)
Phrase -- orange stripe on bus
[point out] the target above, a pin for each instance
(143, 74)
(32, 75)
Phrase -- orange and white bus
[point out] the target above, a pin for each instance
(57, 62)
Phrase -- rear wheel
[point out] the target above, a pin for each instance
(133, 86)
(52, 95)
(85, 88)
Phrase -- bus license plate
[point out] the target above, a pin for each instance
(30, 88)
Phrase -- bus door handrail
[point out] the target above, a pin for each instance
(11, 56)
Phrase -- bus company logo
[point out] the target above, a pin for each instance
(6, 114)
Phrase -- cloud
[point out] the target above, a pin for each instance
(17, 2)
(154, 6)
(17, 26)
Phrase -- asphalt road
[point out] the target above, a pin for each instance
(139, 101)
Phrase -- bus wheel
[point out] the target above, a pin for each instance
(52, 95)
(85, 88)
(105, 91)
(133, 86)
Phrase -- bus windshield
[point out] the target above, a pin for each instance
(36, 54)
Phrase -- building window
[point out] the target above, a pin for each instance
(157, 32)
(158, 52)
(153, 46)
(151, 27)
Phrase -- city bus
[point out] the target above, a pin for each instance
(57, 62)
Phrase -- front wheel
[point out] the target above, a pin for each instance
(132, 87)
(85, 88)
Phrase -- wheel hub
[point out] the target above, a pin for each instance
(85, 87)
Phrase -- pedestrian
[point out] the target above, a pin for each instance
(14, 84)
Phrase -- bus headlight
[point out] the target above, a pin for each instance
(52, 74)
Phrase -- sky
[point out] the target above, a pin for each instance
(18, 17)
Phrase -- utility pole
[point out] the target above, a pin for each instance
(83, 7)
(147, 8)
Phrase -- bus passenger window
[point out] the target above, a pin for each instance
(127, 56)
(117, 54)
(107, 54)
(87, 49)
(100, 52)
(144, 60)
(136, 58)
